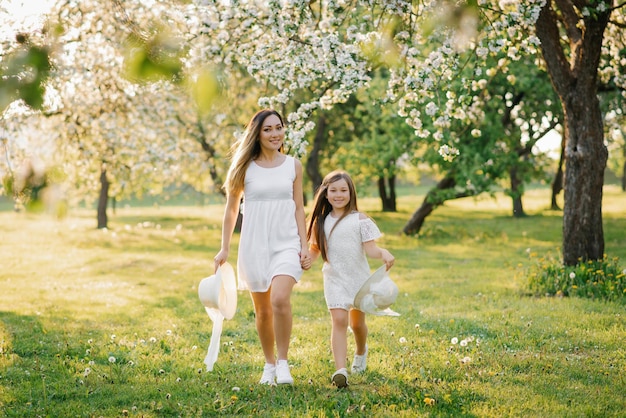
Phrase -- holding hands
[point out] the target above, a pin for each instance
(305, 260)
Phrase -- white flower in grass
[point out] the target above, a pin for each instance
(90, 341)
(466, 360)
(168, 332)
(236, 389)
(195, 347)
(91, 362)
(112, 336)
(111, 359)
(454, 340)
(131, 363)
(572, 275)
(463, 343)
(402, 340)
(87, 371)
(152, 339)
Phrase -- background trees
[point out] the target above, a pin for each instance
(456, 73)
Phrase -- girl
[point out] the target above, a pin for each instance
(343, 237)
(273, 244)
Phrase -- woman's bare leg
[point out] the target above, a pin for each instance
(281, 306)
(264, 320)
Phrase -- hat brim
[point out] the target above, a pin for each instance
(363, 299)
(219, 291)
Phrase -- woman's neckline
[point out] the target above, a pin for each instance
(284, 158)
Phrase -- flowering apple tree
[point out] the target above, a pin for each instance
(330, 45)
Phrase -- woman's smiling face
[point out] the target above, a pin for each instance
(272, 133)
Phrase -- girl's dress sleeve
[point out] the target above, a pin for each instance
(369, 230)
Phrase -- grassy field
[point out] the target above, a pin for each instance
(108, 323)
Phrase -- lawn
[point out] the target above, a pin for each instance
(108, 322)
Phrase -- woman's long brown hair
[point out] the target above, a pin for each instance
(247, 148)
(322, 207)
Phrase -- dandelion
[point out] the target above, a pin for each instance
(233, 398)
(463, 343)
(465, 360)
(572, 275)
(236, 389)
(195, 347)
(429, 401)
(90, 341)
(152, 339)
(87, 371)
(131, 363)
(402, 340)
(167, 396)
(111, 359)
(168, 332)
(417, 325)
(87, 351)
(178, 379)
(113, 336)
(454, 340)
(161, 371)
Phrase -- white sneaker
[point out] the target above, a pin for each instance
(340, 378)
(269, 374)
(283, 375)
(359, 363)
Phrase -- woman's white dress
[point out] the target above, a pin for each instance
(269, 243)
(347, 268)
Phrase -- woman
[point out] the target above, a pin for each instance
(273, 244)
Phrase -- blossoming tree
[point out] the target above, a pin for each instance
(300, 43)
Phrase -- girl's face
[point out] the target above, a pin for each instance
(338, 194)
(272, 133)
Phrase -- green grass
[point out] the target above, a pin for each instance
(74, 298)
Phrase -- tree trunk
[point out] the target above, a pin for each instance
(574, 79)
(210, 152)
(388, 200)
(624, 170)
(103, 199)
(431, 201)
(313, 162)
(516, 193)
(557, 183)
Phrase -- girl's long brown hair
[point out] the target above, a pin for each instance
(246, 149)
(322, 207)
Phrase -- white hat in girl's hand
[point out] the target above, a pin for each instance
(377, 294)
(218, 294)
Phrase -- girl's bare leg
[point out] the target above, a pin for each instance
(359, 328)
(338, 338)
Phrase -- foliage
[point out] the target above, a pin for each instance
(595, 279)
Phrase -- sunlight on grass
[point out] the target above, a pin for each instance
(108, 323)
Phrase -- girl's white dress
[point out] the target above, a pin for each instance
(347, 268)
(269, 243)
